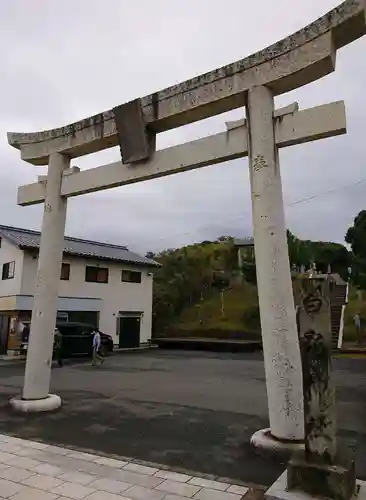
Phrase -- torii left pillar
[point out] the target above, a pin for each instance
(37, 378)
(281, 349)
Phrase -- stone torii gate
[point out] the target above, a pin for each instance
(301, 58)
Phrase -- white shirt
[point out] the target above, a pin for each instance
(96, 340)
(357, 320)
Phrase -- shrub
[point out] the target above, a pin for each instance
(251, 318)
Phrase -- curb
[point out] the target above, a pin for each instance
(12, 359)
(21, 358)
(121, 350)
(351, 350)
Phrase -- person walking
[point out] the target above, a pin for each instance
(58, 348)
(25, 333)
(357, 322)
(97, 348)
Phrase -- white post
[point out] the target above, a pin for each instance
(39, 357)
(277, 311)
(240, 261)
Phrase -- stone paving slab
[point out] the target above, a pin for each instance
(33, 470)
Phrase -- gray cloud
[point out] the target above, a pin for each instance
(67, 60)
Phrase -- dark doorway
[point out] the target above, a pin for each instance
(129, 331)
(4, 333)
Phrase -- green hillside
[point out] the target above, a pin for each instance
(187, 287)
(237, 315)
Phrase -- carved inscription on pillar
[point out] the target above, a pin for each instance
(321, 471)
(315, 346)
(259, 162)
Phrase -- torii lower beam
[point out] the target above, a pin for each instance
(296, 127)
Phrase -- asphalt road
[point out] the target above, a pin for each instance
(190, 410)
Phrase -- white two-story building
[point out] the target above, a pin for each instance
(103, 284)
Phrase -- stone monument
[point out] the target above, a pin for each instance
(253, 82)
(322, 470)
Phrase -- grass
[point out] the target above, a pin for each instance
(206, 318)
(241, 317)
(356, 303)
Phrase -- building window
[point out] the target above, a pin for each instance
(65, 272)
(8, 270)
(131, 276)
(96, 274)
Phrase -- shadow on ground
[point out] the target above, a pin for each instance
(188, 438)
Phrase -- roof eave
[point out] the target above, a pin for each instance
(151, 264)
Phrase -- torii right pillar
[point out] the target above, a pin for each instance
(281, 349)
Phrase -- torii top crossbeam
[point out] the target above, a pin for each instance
(299, 59)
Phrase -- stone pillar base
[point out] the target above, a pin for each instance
(51, 402)
(265, 444)
(336, 481)
(279, 491)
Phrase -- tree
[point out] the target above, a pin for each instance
(150, 255)
(299, 252)
(326, 253)
(356, 237)
(187, 276)
(323, 253)
(225, 238)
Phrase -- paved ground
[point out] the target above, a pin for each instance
(190, 410)
(31, 470)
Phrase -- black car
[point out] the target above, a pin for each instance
(77, 339)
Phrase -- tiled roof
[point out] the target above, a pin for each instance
(27, 239)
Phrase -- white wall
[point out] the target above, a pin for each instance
(25, 303)
(9, 253)
(117, 296)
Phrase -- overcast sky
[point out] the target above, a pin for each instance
(63, 61)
